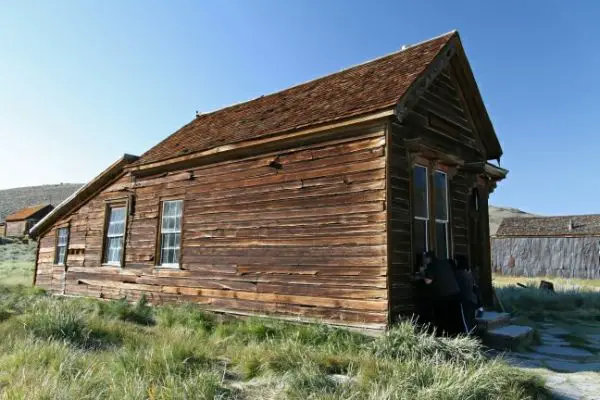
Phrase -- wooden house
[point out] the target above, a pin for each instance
(310, 204)
(561, 246)
(20, 222)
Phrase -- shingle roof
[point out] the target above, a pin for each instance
(25, 213)
(366, 88)
(551, 226)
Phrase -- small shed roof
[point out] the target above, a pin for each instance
(25, 213)
(551, 226)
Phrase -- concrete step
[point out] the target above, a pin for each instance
(508, 337)
(491, 320)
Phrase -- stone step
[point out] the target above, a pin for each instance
(508, 337)
(567, 353)
(491, 319)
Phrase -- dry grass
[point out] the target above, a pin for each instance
(60, 348)
(574, 300)
(561, 284)
(16, 262)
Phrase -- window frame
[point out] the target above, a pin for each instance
(159, 234)
(427, 204)
(447, 220)
(110, 204)
(431, 166)
(66, 245)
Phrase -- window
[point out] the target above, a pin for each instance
(440, 182)
(421, 209)
(115, 235)
(430, 221)
(62, 240)
(170, 232)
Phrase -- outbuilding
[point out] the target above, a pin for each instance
(313, 203)
(562, 246)
(19, 223)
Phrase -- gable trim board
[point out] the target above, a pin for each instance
(313, 158)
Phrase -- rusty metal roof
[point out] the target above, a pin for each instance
(26, 213)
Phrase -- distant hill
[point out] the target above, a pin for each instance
(497, 214)
(12, 200)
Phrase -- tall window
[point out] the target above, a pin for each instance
(440, 182)
(421, 209)
(62, 240)
(115, 235)
(430, 219)
(170, 233)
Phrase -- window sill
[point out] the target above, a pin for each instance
(111, 265)
(168, 266)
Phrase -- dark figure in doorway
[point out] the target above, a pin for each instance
(468, 299)
(439, 275)
(424, 295)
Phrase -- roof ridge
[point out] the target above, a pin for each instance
(552, 216)
(202, 114)
(298, 105)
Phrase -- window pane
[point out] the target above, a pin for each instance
(116, 221)
(62, 240)
(60, 257)
(115, 235)
(441, 240)
(419, 236)
(170, 237)
(63, 234)
(113, 249)
(440, 181)
(420, 199)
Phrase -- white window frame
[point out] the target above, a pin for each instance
(447, 220)
(59, 246)
(107, 235)
(162, 231)
(426, 219)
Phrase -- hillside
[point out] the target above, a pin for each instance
(12, 200)
(497, 214)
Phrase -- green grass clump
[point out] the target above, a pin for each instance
(408, 341)
(139, 313)
(563, 304)
(58, 321)
(187, 315)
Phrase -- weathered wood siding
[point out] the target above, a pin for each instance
(400, 234)
(16, 228)
(440, 120)
(567, 257)
(306, 240)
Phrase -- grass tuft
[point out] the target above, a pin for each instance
(139, 313)
(59, 322)
(565, 304)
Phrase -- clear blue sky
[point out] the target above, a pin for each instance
(82, 82)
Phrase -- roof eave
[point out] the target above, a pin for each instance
(284, 137)
(495, 172)
(82, 194)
